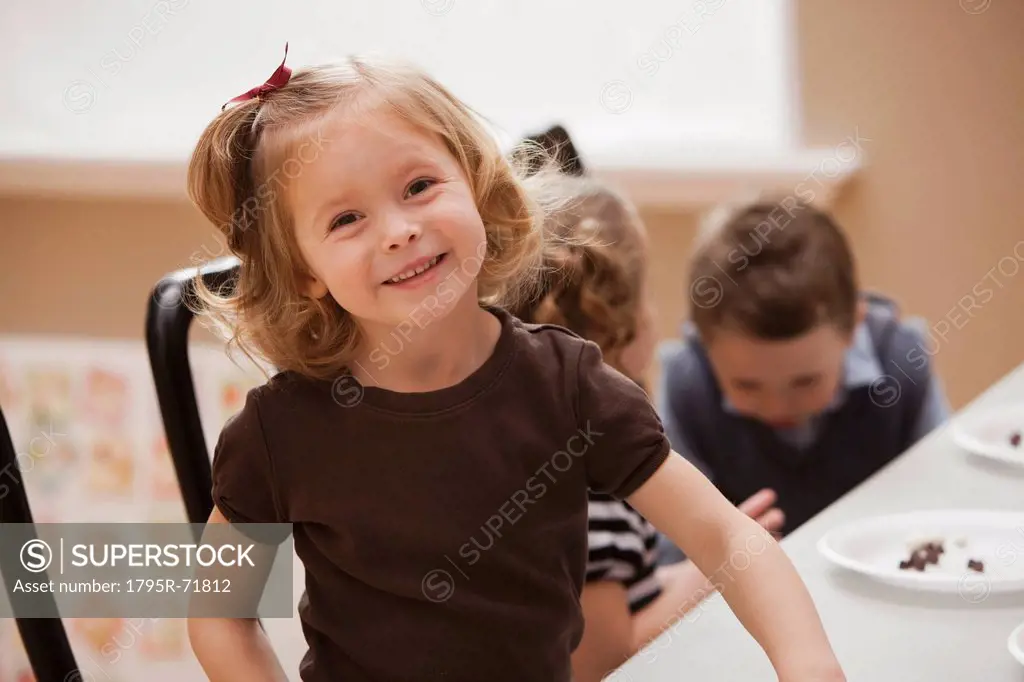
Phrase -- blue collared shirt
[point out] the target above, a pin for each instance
(861, 367)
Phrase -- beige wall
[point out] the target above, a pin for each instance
(86, 267)
(938, 92)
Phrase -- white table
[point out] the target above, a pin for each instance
(879, 633)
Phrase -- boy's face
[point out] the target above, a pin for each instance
(781, 383)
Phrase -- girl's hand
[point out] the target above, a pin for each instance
(759, 507)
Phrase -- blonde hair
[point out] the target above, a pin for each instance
(594, 274)
(234, 178)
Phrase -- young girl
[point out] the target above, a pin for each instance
(431, 452)
(596, 286)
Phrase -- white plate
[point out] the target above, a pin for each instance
(876, 546)
(1016, 643)
(987, 433)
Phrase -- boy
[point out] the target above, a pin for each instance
(788, 376)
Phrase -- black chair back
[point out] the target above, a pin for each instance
(168, 319)
(45, 640)
(556, 141)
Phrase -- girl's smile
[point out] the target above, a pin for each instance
(417, 273)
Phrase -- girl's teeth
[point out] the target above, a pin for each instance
(412, 273)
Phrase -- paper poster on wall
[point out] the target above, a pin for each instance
(86, 425)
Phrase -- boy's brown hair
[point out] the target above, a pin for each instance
(773, 269)
(593, 281)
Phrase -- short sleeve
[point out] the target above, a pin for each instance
(626, 439)
(243, 478)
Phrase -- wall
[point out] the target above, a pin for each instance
(81, 267)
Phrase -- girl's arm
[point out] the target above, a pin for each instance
(608, 633)
(233, 649)
(684, 586)
(745, 564)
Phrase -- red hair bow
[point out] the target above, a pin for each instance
(276, 80)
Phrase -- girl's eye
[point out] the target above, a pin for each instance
(343, 220)
(419, 186)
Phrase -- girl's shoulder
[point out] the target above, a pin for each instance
(289, 383)
(550, 341)
(286, 390)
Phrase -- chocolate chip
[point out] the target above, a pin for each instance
(975, 565)
(922, 555)
(932, 551)
(1015, 439)
(916, 563)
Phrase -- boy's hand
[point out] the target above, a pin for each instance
(759, 507)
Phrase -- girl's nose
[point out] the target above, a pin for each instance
(401, 232)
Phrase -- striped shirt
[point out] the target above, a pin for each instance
(622, 547)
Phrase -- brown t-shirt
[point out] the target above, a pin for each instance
(443, 534)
